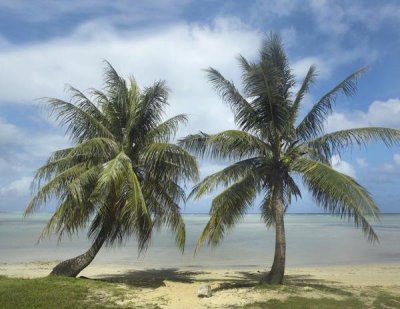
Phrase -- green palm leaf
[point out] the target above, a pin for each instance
(80, 124)
(227, 209)
(120, 176)
(335, 142)
(338, 194)
(230, 144)
(312, 124)
(272, 152)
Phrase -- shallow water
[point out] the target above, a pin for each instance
(312, 240)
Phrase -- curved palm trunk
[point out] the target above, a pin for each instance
(72, 267)
(275, 276)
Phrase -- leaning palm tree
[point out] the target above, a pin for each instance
(273, 150)
(121, 177)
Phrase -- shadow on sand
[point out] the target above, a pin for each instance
(154, 278)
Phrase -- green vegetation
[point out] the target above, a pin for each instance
(122, 177)
(53, 292)
(295, 302)
(386, 300)
(274, 149)
(333, 297)
(62, 292)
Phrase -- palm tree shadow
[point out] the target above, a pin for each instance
(292, 283)
(151, 278)
(154, 278)
(302, 281)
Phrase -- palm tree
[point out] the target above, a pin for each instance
(273, 150)
(121, 177)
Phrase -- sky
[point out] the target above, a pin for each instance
(46, 45)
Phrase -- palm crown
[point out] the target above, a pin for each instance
(273, 146)
(121, 177)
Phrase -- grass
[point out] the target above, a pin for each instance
(295, 302)
(59, 292)
(369, 297)
(51, 292)
(386, 300)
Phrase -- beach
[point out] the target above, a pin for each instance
(177, 287)
(327, 259)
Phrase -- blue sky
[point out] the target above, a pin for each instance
(45, 45)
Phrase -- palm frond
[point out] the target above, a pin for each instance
(165, 161)
(312, 124)
(151, 107)
(335, 142)
(67, 218)
(227, 176)
(230, 144)
(79, 99)
(118, 178)
(227, 209)
(81, 125)
(267, 206)
(263, 85)
(305, 86)
(166, 130)
(116, 90)
(90, 152)
(134, 214)
(163, 200)
(120, 153)
(75, 210)
(267, 209)
(338, 194)
(56, 188)
(244, 115)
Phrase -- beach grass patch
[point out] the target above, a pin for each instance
(57, 292)
(386, 300)
(295, 302)
(277, 287)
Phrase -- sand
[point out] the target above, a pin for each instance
(177, 288)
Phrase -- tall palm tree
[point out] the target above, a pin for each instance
(273, 150)
(121, 177)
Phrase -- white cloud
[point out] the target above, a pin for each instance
(362, 163)
(379, 113)
(8, 132)
(343, 166)
(177, 54)
(396, 159)
(121, 11)
(338, 17)
(391, 168)
(301, 66)
(16, 141)
(332, 57)
(329, 16)
(271, 8)
(18, 187)
(21, 152)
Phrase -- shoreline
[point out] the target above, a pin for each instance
(382, 274)
(176, 288)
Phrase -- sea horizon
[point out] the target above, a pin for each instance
(312, 240)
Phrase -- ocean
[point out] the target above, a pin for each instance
(312, 240)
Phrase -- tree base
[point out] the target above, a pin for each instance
(272, 278)
(72, 267)
(68, 268)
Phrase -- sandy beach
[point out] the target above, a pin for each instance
(177, 287)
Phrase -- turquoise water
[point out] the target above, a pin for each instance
(312, 240)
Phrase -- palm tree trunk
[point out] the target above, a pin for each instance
(72, 267)
(275, 276)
